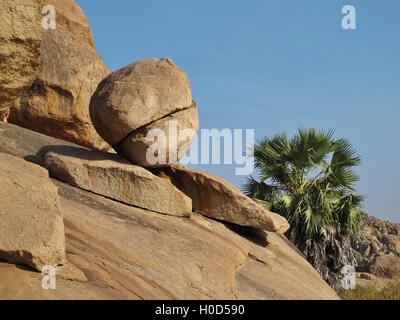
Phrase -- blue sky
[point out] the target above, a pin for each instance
(276, 66)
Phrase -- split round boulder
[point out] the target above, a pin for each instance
(144, 104)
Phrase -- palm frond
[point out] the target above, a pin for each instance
(344, 155)
(309, 148)
(259, 190)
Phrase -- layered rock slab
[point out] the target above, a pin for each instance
(111, 176)
(31, 223)
(218, 199)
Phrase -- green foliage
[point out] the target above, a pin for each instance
(390, 292)
(309, 179)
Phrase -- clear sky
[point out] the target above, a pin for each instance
(276, 66)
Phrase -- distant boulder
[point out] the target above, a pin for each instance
(386, 266)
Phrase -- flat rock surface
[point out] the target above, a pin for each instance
(130, 253)
(24, 143)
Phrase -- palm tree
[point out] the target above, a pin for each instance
(309, 180)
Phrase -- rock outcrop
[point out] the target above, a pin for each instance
(114, 177)
(47, 77)
(131, 253)
(31, 224)
(218, 199)
(377, 238)
(151, 94)
(98, 211)
(20, 42)
(378, 251)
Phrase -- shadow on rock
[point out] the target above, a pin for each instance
(258, 237)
